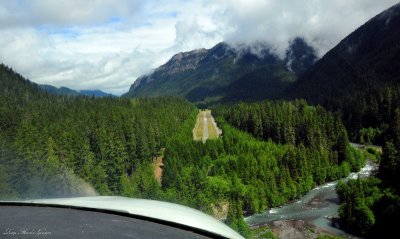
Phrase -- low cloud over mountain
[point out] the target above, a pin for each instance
(107, 44)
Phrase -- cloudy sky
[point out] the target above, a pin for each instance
(107, 44)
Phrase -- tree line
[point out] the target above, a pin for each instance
(105, 141)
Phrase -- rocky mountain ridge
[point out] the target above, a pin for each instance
(205, 75)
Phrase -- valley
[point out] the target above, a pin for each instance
(250, 135)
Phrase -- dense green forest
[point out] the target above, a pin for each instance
(270, 152)
(256, 171)
(48, 141)
(371, 207)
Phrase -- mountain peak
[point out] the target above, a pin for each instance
(185, 55)
(201, 75)
(184, 61)
(219, 51)
(299, 56)
(179, 63)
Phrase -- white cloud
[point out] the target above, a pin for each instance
(107, 44)
(322, 22)
(64, 12)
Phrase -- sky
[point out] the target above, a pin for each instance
(107, 44)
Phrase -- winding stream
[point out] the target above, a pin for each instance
(315, 207)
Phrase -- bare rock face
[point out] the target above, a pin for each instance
(184, 61)
(179, 63)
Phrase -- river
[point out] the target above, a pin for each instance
(315, 207)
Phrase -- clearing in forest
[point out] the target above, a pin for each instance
(158, 166)
(205, 127)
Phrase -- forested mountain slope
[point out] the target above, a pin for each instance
(59, 91)
(70, 92)
(44, 138)
(111, 143)
(360, 77)
(225, 73)
(95, 93)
